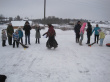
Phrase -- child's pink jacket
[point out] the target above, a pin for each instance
(82, 28)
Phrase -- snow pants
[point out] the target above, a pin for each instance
(101, 42)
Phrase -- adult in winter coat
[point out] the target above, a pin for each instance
(37, 35)
(10, 31)
(27, 29)
(96, 29)
(20, 32)
(77, 30)
(89, 32)
(51, 40)
(82, 33)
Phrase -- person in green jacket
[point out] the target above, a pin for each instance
(101, 37)
(10, 31)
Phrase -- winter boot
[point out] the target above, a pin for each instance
(80, 42)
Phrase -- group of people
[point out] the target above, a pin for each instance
(17, 36)
(51, 42)
(79, 30)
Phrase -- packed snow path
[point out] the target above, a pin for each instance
(70, 62)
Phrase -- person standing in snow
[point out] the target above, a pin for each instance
(51, 40)
(4, 38)
(20, 32)
(77, 30)
(82, 33)
(96, 33)
(89, 32)
(15, 39)
(101, 37)
(37, 35)
(10, 31)
(27, 29)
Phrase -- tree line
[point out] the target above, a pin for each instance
(48, 20)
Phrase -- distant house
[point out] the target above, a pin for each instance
(17, 24)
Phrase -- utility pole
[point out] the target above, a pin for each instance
(44, 11)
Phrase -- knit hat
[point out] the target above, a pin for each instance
(3, 31)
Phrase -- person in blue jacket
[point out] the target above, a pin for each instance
(20, 32)
(96, 29)
(15, 39)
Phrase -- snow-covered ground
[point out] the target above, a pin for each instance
(70, 62)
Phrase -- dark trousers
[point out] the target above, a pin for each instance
(97, 37)
(88, 38)
(10, 40)
(21, 40)
(77, 37)
(3, 43)
(37, 40)
(17, 44)
(27, 37)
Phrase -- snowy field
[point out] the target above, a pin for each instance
(70, 62)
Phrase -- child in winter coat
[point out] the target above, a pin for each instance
(37, 35)
(15, 39)
(20, 32)
(96, 33)
(82, 33)
(4, 38)
(101, 37)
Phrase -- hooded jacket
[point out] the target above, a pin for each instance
(102, 35)
(27, 29)
(82, 28)
(10, 30)
(96, 30)
(50, 32)
(77, 28)
(89, 30)
(20, 33)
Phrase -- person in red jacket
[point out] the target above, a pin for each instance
(51, 34)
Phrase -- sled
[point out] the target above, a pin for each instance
(91, 44)
(108, 44)
(24, 46)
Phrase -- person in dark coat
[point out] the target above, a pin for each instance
(51, 40)
(10, 31)
(89, 32)
(27, 29)
(77, 31)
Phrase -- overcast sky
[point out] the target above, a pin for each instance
(86, 9)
